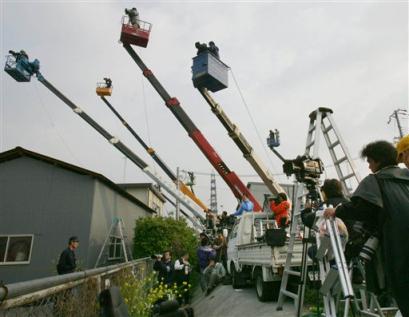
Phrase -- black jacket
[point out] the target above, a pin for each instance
(67, 262)
(383, 200)
(165, 270)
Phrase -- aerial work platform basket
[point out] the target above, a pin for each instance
(16, 67)
(209, 72)
(103, 90)
(135, 34)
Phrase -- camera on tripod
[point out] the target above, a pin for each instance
(304, 168)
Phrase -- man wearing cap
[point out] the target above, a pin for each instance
(67, 262)
(403, 150)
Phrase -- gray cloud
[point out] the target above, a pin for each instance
(288, 59)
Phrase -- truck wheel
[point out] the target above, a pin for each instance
(235, 277)
(265, 290)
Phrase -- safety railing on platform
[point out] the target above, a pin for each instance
(74, 294)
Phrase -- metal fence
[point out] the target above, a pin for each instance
(74, 294)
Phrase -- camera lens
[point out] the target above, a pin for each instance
(369, 248)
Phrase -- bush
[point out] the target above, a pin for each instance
(157, 234)
(140, 295)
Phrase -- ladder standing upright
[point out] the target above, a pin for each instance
(320, 120)
(116, 231)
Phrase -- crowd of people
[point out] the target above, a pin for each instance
(374, 218)
(378, 210)
(212, 261)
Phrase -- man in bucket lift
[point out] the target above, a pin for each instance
(214, 49)
(19, 55)
(133, 15)
(108, 82)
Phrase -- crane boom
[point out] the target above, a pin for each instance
(183, 188)
(231, 179)
(22, 70)
(242, 144)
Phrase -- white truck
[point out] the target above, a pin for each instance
(252, 256)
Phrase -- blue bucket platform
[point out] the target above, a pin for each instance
(209, 72)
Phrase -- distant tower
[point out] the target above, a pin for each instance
(213, 193)
(399, 115)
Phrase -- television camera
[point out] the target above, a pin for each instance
(305, 169)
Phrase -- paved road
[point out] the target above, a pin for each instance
(224, 301)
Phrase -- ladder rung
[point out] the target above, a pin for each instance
(331, 146)
(348, 176)
(327, 129)
(289, 294)
(329, 281)
(292, 272)
(310, 144)
(341, 160)
(311, 129)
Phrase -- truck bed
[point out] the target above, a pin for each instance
(265, 255)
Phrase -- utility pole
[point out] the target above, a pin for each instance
(396, 115)
(177, 200)
(213, 193)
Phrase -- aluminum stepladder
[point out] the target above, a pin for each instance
(320, 120)
(116, 231)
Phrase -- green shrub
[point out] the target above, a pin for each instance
(157, 234)
(141, 294)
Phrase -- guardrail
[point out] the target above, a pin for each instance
(73, 294)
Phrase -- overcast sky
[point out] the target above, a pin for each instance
(288, 59)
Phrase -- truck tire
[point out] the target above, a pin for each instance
(265, 290)
(236, 280)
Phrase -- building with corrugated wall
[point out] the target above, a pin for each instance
(44, 201)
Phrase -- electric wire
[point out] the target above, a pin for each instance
(148, 133)
(252, 121)
(53, 125)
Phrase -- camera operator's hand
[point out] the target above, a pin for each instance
(329, 212)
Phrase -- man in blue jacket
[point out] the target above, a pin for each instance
(246, 205)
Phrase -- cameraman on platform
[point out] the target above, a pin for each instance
(381, 201)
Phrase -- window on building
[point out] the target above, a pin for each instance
(15, 249)
(115, 248)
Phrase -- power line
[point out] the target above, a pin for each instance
(252, 121)
(53, 125)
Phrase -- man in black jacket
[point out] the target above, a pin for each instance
(165, 268)
(382, 201)
(67, 262)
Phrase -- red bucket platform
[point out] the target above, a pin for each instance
(135, 34)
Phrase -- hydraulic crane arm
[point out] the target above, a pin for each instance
(22, 70)
(183, 188)
(231, 179)
(242, 143)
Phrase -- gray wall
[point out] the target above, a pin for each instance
(107, 205)
(48, 201)
(141, 193)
